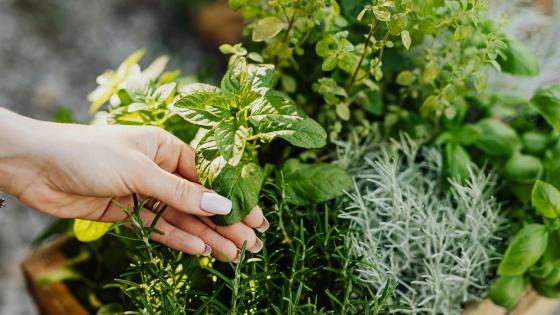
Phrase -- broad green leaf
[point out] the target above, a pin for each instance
(523, 169)
(307, 134)
(524, 250)
(547, 101)
(231, 139)
(534, 142)
(456, 161)
(546, 199)
(552, 279)
(205, 109)
(551, 292)
(507, 291)
(241, 184)
(87, 231)
(497, 138)
(267, 28)
(306, 184)
(518, 59)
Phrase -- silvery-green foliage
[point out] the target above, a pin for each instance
(437, 238)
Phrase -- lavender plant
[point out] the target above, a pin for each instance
(439, 244)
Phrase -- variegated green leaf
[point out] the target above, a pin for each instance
(205, 109)
(230, 139)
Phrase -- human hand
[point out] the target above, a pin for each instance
(74, 171)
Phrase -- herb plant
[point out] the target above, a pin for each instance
(439, 244)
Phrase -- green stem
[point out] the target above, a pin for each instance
(372, 28)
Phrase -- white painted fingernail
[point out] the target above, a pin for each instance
(264, 226)
(214, 203)
(257, 247)
(207, 250)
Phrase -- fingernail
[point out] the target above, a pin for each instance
(264, 226)
(214, 203)
(257, 247)
(207, 250)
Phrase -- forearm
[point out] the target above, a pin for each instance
(17, 147)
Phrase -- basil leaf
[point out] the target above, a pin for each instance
(456, 161)
(524, 250)
(547, 102)
(231, 139)
(241, 184)
(306, 184)
(546, 199)
(523, 169)
(496, 138)
(518, 59)
(534, 142)
(552, 292)
(507, 291)
(205, 109)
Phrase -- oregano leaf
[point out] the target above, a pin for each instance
(267, 28)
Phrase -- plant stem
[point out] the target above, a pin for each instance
(372, 28)
(286, 35)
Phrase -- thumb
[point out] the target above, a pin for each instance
(180, 193)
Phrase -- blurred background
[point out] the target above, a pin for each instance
(52, 50)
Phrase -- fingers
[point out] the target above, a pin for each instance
(173, 155)
(238, 233)
(256, 219)
(173, 236)
(180, 193)
(222, 248)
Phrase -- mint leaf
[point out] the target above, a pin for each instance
(205, 109)
(231, 139)
(306, 184)
(241, 184)
(307, 134)
(208, 161)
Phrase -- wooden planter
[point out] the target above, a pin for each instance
(57, 298)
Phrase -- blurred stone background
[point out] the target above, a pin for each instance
(50, 54)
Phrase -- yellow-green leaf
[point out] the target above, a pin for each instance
(406, 40)
(267, 28)
(87, 231)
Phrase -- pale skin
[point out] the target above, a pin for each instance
(75, 171)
